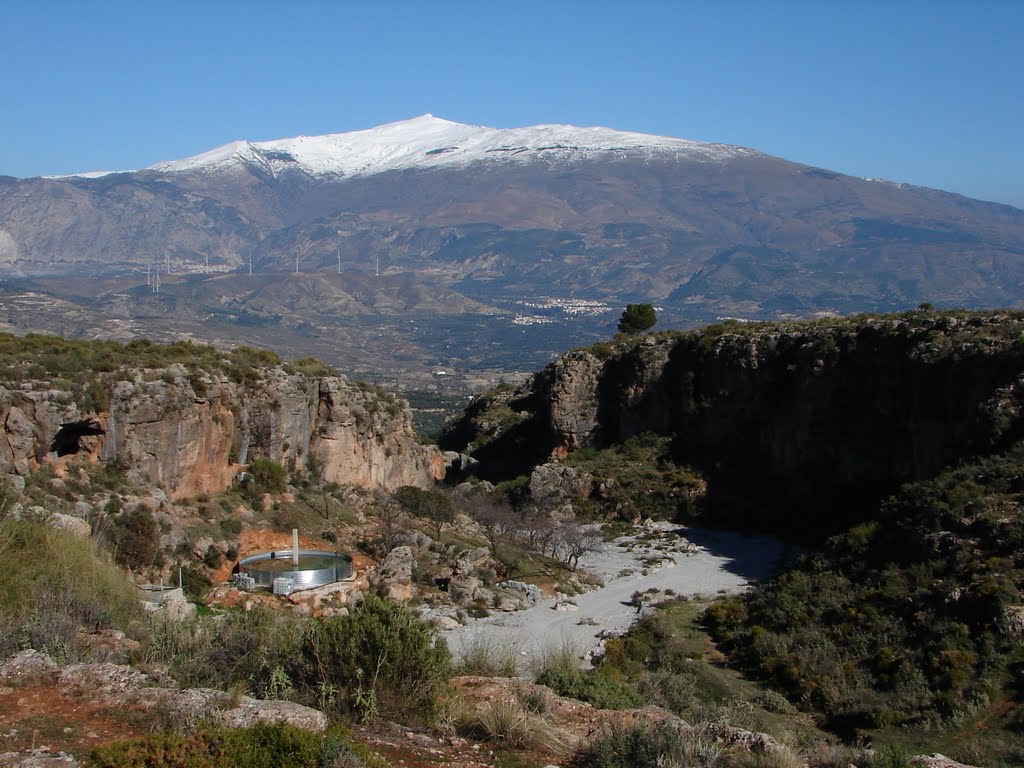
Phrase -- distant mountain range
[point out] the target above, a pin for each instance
(435, 221)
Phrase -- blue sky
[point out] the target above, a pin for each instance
(929, 93)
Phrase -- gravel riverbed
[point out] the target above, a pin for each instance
(693, 561)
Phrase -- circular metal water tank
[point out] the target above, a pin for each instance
(315, 568)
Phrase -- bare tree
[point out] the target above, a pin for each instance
(572, 540)
(538, 528)
(390, 515)
(500, 524)
(493, 515)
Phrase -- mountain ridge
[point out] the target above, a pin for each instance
(422, 142)
(703, 230)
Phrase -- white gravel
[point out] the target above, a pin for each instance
(698, 562)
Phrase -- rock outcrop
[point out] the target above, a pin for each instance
(191, 431)
(128, 688)
(775, 416)
(393, 577)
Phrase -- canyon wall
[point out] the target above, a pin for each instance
(809, 420)
(190, 431)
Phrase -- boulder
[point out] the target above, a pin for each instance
(109, 645)
(417, 540)
(251, 711)
(1011, 623)
(76, 526)
(393, 577)
(936, 760)
(102, 682)
(553, 485)
(531, 591)
(28, 668)
(464, 589)
(20, 433)
(37, 758)
(15, 482)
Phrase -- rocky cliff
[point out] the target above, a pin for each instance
(813, 420)
(190, 430)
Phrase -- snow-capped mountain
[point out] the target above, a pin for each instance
(431, 142)
(423, 218)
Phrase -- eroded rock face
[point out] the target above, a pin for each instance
(190, 432)
(29, 419)
(574, 401)
(362, 440)
(555, 484)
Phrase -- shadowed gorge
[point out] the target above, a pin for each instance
(797, 428)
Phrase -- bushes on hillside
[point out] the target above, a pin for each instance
(379, 660)
(261, 746)
(641, 746)
(55, 585)
(435, 506)
(637, 478)
(136, 539)
(898, 619)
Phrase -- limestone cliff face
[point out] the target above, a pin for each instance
(27, 418)
(192, 431)
(814, 418)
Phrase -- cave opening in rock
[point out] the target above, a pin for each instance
(67, 441)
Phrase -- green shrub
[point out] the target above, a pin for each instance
(136, 539)
(231, 526)
(212, 558)
(646, 747)
(935, 587)
(381, 658)
(265, 476)
(312, 367)
(599, 689)
(256, 649)
(891, 756)
(193, 581)
(604, 688)
(639, 479)
(87, 367)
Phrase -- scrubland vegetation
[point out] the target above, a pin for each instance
(901, 622)
(65, 362)
(55, 584)
(908, 620)
(261, 746)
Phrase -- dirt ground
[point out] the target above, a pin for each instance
(41, 716)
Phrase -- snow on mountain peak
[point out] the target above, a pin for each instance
(428, 141)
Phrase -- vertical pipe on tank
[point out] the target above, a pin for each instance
(295, 546)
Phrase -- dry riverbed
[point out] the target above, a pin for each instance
(659, 559)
